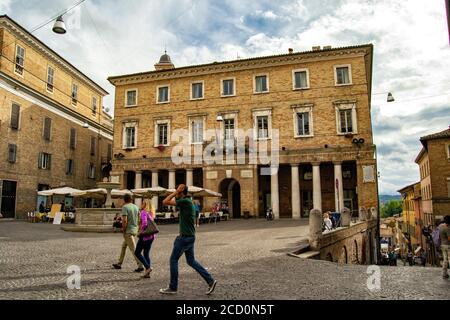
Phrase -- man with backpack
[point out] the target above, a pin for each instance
(444, 234)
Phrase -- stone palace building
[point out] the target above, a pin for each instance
(312, 110)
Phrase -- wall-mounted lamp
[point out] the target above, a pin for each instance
(86, 125)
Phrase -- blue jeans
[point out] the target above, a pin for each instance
(185, 245)
(146, 246)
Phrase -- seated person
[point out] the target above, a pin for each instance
(328, 224)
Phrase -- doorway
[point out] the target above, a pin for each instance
(231, 196)
(8, 199)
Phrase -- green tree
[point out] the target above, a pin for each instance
(391, 208)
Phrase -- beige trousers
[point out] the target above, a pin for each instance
(130, 242)
(445, 253)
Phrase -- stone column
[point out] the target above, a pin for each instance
(274, 193)
(155, 184)
(138, 185)
(317, 188)
(315, 228)
(189, 177)
(338, 187)
(295, 191)
(171, 178)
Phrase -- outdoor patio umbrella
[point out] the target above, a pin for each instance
(199, 192)
(65, 191)
(100, 193)
(150, 192)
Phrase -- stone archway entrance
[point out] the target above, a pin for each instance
(231, 195)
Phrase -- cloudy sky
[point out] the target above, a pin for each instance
(412, 50)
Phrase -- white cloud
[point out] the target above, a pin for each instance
(5, 6)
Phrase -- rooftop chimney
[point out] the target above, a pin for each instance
(316, 48)
(291, 51)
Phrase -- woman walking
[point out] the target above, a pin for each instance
(145, 242)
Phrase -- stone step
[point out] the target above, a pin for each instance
(306, 255)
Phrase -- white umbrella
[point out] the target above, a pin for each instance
(199, 192)
(150, 192)
(100, 193)
(58, 191)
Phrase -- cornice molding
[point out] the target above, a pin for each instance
(231, 66)
(23, 35)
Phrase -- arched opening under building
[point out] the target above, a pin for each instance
(231, 196)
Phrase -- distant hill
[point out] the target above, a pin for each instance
(385, 198)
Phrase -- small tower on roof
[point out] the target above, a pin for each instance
(164, 62)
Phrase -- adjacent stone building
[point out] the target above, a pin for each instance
(312, 109)
(434, 165)
(53, 129)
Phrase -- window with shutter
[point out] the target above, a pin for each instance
(15, 116)
(47, 128)
(69, 167)
(20, 59)
(12, 151)
(93, 143)
(72, 139)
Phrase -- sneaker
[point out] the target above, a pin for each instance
(117, 266)
(167, 290)
(140, 269)
(212, 286)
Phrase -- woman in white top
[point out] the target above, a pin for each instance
(327, 221)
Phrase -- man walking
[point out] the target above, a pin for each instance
(444, 231)
(130, 213)
(184, 243)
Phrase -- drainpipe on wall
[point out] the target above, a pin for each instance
(378, 210)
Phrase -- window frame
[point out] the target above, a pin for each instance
(306, 70)
(342, 107)
(23, 61)
(93, 146)
(19, 118)
(126, 98)
(42, 157)
(70, 170)
(14, 153)
(74, 146)
(191, 120)
(260, 113)
(52, 84)
(94, 110)
(49, 138)
(229, 116)
(132, 124)
(92, 169)
(447, 148)
(156, 132)
(303, 109)
(267, 83)
(202, 82)
(349, 66)
(222, 87)
(74, 97)
(168, 94)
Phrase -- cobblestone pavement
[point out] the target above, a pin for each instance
(247, 257)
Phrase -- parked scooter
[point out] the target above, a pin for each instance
(269, 214)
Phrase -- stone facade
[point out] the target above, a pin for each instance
(20, 175)
(309, 163)
(434, 165)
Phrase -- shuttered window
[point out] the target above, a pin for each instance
(15, 116)
(93, 145)
(72, 139)
(12, 152)
(69, 167)
(47, 128)
(44, 161)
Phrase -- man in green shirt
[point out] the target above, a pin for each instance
(130, 214)
(184, 243)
